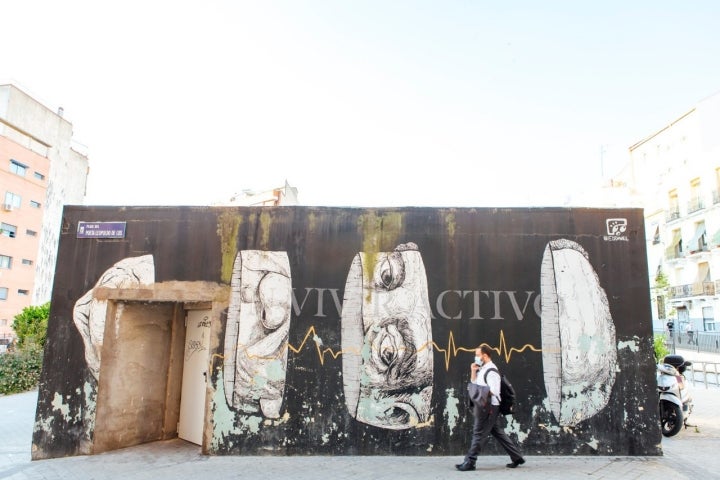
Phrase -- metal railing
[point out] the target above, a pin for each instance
(695, 204)
(707, 371)
(701, 341)
(692, 289)
(702, 371)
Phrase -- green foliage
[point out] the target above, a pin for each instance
(661, 280)
(660, 348)
(20, 369)
(31, 325)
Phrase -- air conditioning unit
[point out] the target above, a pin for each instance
(8, 207)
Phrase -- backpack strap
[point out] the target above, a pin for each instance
(493, 369)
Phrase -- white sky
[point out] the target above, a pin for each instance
(359, 103)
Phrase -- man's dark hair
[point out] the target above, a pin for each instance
(484, 348)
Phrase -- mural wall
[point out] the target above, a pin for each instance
(350, 331)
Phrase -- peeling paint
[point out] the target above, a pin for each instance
(451, 408)
(90, 391)
(274, 422)
(539, 411)
(513, 426)
(61, 407)
(45, 425)
(223, 418)
(632, 345)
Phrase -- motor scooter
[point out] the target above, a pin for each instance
(675, 402)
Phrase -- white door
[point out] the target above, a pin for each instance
(192, 401)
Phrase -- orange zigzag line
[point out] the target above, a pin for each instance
(449, 352)
(321, 353)
(502, 349)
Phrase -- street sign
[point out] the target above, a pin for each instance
(101, 230)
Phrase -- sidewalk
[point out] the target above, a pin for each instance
(693, 453)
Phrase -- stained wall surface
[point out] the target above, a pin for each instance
(351, 330)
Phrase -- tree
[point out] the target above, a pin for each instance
(660, 291)
(31, 325)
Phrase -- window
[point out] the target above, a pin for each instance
(696, 202)
(12, 200)
(694, 188)
(39, 176)
(22, 292)
(5, 261)
(8, 230)
(30, 233)
(708, 319)
(17, 168)
(673, 205)
(3, 293)
(698, 242)
(26, 261)
(3, 322)
(34, 204)
(675, 248)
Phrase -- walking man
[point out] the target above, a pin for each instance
(690, 334)
(487, 419)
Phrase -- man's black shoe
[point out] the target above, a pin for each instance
(465, 466)
(515, 463)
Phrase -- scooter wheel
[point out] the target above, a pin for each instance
(671, 418)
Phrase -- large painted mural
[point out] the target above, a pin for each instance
(347, 331)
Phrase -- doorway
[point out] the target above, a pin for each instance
(153, 374)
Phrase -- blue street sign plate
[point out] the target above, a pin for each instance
(101, 230)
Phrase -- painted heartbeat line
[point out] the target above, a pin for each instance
(450, 351)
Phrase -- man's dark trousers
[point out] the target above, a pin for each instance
(487, 422)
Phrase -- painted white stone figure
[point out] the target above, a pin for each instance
(256, 335)
(387, 339)
(89, 313)
(578, 334)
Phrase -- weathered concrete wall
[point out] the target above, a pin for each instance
(351, 331)
(133, 376)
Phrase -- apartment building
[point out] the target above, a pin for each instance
(675, 174)
(40, 171)
(274, 197)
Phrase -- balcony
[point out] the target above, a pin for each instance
(697, 251)
(672, 214)
(692, 290)
(694, 205)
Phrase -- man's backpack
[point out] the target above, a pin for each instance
(507, 393)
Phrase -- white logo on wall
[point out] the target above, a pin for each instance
(616, 227)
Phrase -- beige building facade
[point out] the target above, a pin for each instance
(674, 174)
(41, 170)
